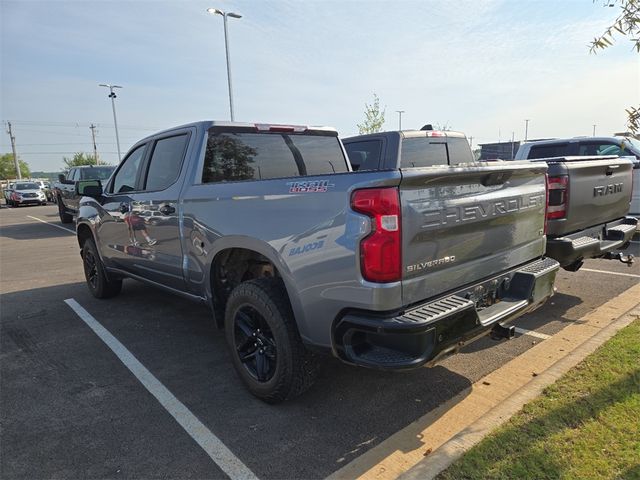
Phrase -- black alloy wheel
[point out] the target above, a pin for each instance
(90, 268)
(254, 343)
(266, 348)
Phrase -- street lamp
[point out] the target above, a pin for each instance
(113, 96)
(526, 129)
(215, 11)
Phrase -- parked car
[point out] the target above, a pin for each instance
(297, 255)
(65, 192)
(589, 146)
(26, 193)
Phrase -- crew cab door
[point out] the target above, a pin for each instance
(153, 217)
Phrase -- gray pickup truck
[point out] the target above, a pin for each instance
(296, 254)
(65, 189)
(589, 199)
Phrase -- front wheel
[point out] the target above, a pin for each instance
(266, 348)
(62, 212)
(100, 285)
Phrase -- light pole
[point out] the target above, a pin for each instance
(400, 112)
(215, 11)
(113, 96)
(594, 130)
(526, 129)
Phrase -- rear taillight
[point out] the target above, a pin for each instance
(557, 196)
(380, 251)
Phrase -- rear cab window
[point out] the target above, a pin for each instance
(549, 151)
(240, 156)
(434, 151)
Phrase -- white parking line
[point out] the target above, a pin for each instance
(211, 444)
(610, 273)
(532, 333)
(52, 224)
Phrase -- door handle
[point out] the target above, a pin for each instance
(124, 207)
(167, 210)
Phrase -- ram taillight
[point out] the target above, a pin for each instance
(381, 250)
(557, 196)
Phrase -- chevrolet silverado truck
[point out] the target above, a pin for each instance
(297, 255)
(589, 198)
(65, 193)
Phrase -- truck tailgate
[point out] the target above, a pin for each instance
(599, 192)
(463, 224)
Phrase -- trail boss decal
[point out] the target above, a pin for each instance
(312, 186)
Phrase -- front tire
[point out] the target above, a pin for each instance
(266, 348)
(62, 212)
(100, 285)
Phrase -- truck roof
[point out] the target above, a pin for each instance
(257, 126)
(408, 134)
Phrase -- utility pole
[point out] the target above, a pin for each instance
(513, 134)
(400, 112)
(95, 149)
(13, 148)
(471, 142)
(526, 129)
(594, 130)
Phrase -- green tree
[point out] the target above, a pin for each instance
(79, 159)
(627, 23)
(373, 117)
(8, 169)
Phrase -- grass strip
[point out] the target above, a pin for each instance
(586, 425)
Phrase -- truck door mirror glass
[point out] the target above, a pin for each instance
(89, 188)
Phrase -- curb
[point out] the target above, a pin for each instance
(451, 428)
(455, 448)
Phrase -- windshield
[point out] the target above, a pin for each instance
(634, 144)
(27, 186)
(97, 173)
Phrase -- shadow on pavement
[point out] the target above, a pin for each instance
(32, 231)
(348, 411)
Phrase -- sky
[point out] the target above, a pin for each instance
(480, 66)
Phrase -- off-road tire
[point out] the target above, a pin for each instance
(296, 368)
(64, 216)
(99, 284)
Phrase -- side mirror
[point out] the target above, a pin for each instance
(61, 178)
(89, 188)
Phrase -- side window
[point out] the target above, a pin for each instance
(549, 151)
(423, 152)
(598, 148)
(364, 155)
(72, 174)
(166, 161)
(233, 157)
(125, 179)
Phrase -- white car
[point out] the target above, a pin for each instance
(27, 193)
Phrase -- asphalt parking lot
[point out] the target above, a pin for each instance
(70, 408)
